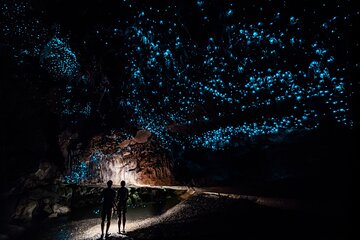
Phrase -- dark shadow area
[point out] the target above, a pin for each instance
(241, 219)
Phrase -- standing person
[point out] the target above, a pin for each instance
(122, 197)
(108, 196)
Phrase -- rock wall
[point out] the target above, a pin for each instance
(138, 160)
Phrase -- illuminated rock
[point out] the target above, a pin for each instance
(126, 154)
(138, 161)
(60, 210)
(142, 136)
(124, 143)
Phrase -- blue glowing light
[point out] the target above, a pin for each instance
(232, 84)
(78, 174)
(258, 80)
(59, 59)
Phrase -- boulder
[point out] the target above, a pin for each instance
(46, 171)
(124, 143)
(25, 210)
(53, 215)
(29, 209)
(142, 136)
(65, 193)
(126, 154)
(47, 209)
(60, 209)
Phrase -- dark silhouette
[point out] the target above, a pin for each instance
(108, 196)
(122, 197)
(160, 197)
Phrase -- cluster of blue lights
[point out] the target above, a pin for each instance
(70, 108)
(85, 170)
(59, 59)
(222, 137)
(255, 67)
(16, 23)
(79, 173)
(96, 157)
(248, 77)
(29, 35)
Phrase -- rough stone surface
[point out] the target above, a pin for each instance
(142, 136)
(48, 210)
(25, 209)
(53, 215)
(124, 143)
(60, 210)
(138, 160)
(46, 170)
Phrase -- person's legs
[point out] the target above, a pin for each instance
(119, 220)
(103, 215)
(124, 218)
(108, 215)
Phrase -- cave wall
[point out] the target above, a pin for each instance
(138, 160)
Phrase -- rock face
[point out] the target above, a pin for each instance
(46, 170)
(138, 160)
(25, 209)
(124, 143)
(142, 136)
(59, 209)
(38, 196)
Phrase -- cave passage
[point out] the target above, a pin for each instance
(223, 117)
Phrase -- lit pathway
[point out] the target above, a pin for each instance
(93, 231)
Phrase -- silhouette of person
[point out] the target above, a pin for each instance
(122, 197)
(108, 196)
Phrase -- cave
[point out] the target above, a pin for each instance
(225, 119)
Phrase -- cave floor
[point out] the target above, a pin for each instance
(213, 214)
